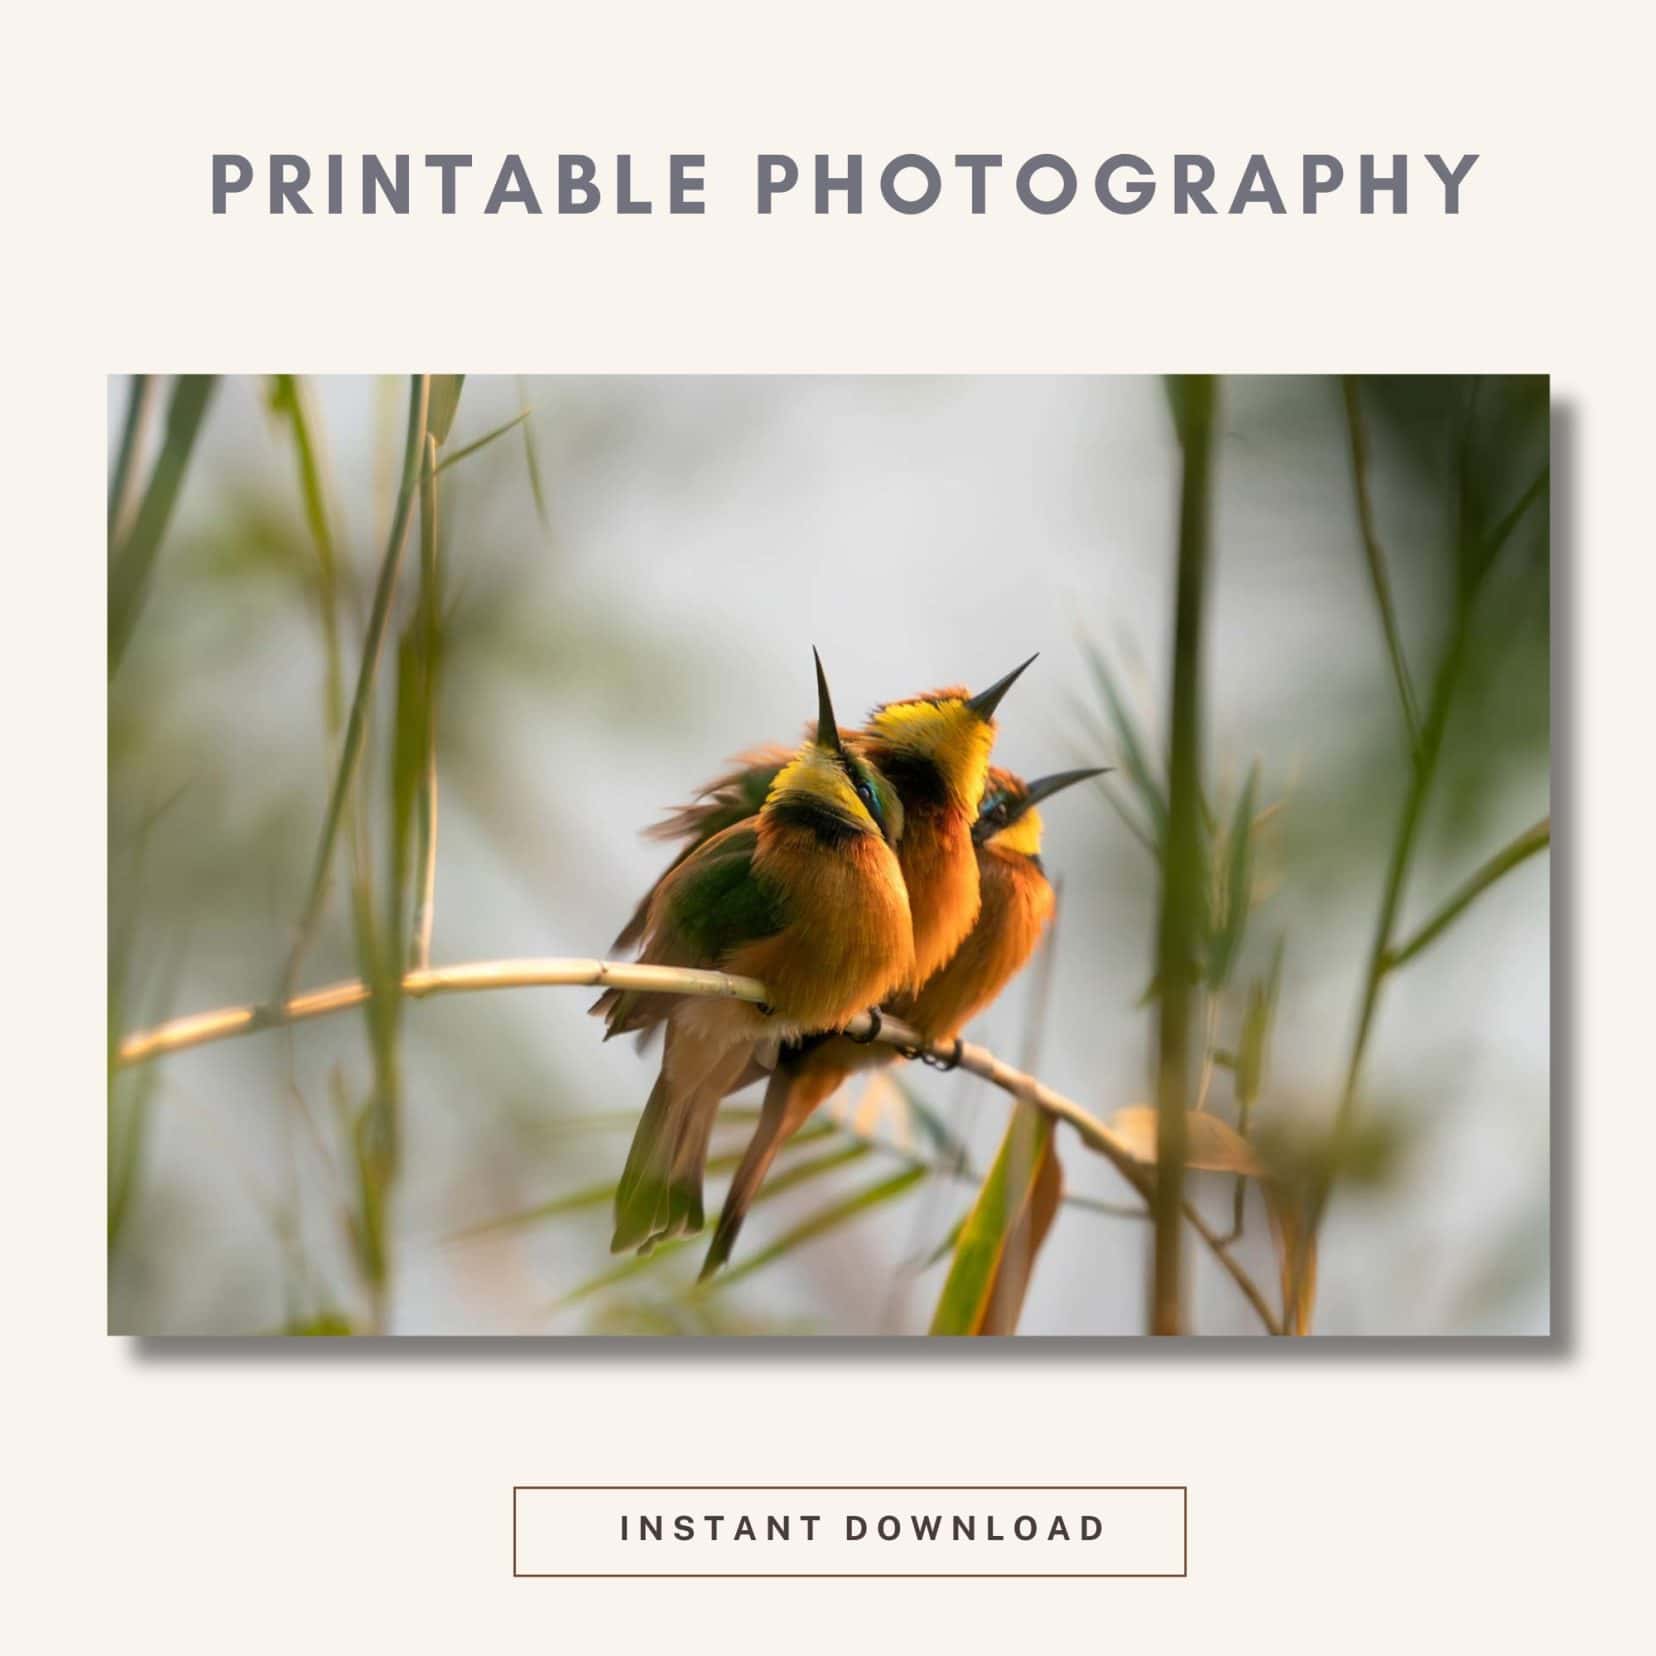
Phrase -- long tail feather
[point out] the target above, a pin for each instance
(761, 1152)
(641, 1193)
(660, 1191)
(790, 1100)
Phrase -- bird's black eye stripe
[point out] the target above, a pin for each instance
(999, 810)
(862, 787)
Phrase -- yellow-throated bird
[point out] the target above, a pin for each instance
(934, 751)
(806, 896)
(1016, 905)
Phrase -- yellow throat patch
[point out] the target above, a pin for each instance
(1024, 836)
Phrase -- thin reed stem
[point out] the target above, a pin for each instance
(1525, 846)
(357, 724)
(1376, 557)
(483, 441)
(425, 907)
(1179, 933)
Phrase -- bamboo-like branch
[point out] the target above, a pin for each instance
(1377, 562)
(356, 726)
(1180, 923)
(204, 1028)
(1527, 844)
(425, 909)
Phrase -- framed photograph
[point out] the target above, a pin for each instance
(1048, 855)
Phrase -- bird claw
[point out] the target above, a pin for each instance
(937, 1061)
(875, 1023)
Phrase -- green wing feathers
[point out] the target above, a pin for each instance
(716, 901)
(733, 798)
(708, 904)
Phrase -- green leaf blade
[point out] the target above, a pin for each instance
(1134, 753)
(133, 563)
(1004, 1197)
(483, 442)
(1226, 942)
(445, 403)
(824, 1220)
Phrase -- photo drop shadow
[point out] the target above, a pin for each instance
(1558, 1345)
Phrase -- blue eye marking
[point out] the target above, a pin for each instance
(866, 793)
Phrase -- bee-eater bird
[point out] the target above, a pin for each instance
(934, 751)
(807, 896)
(1016, 906)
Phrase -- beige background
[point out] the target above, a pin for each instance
(1338, 1496)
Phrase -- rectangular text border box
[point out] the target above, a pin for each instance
(866, 1575)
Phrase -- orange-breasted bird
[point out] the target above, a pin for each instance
(934, 751)
(930, 754)
(1016, 905)
(807, 896)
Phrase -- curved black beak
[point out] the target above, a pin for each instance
(1045, 787)
(827, 735)
(986, 827)
(985, 702)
